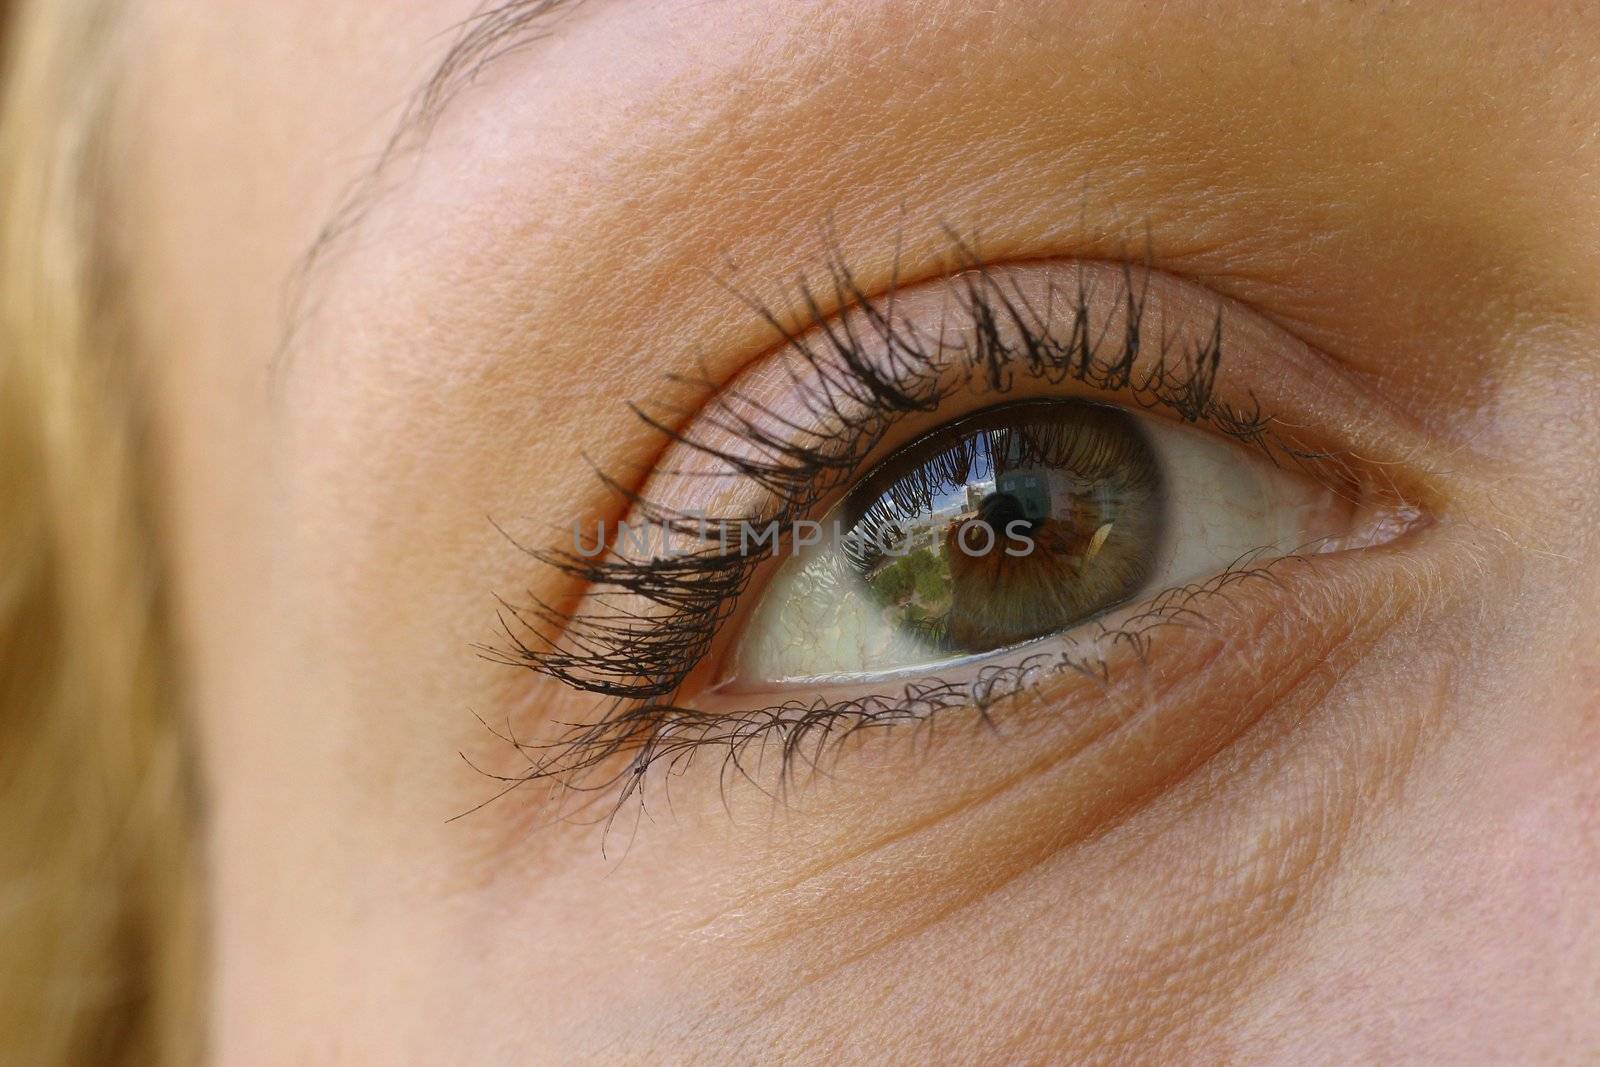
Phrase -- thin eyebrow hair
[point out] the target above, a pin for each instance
(498, 29)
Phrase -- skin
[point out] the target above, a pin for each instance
(1357, 819)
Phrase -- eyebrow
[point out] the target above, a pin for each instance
(495, 31)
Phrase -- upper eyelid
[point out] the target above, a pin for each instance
(822, 305)
(1188, 393)
(819, 310)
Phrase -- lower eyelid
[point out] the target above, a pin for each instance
(1236, 647)
(1073, 754)
(1092, 650)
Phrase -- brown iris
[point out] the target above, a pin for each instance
(1009, 525)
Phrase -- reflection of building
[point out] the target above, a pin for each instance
(1047, 492)
(929, 531)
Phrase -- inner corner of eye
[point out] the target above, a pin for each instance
(1014, 524)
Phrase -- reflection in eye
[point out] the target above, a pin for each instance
(1015, 524)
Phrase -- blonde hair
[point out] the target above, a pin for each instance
(98, 915)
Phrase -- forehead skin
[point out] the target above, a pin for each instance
(1413, 189)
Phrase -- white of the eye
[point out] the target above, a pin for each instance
(799, 634)
(1222, 504)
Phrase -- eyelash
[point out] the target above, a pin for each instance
(641, 662)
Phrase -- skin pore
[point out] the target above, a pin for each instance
(1356, 819)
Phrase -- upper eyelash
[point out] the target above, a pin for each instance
(642, 660)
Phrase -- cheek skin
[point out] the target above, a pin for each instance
(1126, 873)
(1455, 935)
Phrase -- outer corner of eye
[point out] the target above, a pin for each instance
(1025, 521)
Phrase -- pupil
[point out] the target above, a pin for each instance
(1000, 510)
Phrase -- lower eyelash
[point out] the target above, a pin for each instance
(618, 752)
(641, 658)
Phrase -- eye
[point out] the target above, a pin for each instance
(1061, 475)
(1014, 524)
